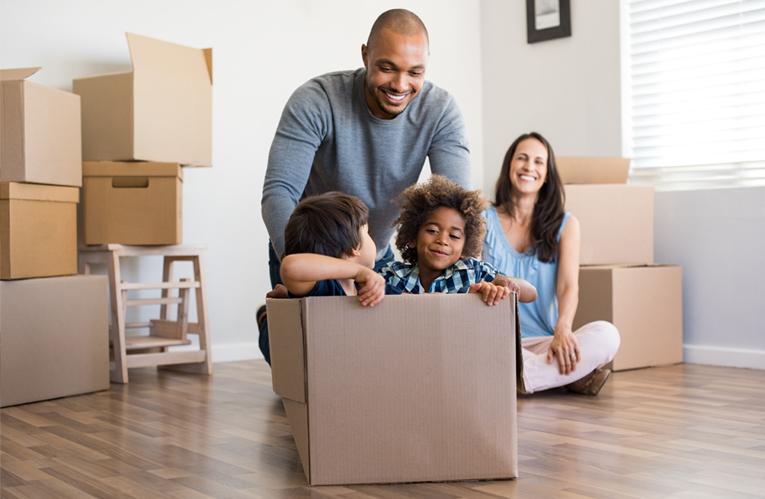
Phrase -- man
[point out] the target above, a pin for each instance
(365, 132)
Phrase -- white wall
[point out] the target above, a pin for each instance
(262, 51)
(718, 237)
(567, 89)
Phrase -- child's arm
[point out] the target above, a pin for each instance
(526, 291)
(301, 271)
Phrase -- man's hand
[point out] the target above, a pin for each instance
(372, 287)
(565, 349)
(490, 293)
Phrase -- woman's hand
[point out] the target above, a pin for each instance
(371, 287)
(565, 349)
(490, 293)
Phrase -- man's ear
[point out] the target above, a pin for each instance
(364, 55)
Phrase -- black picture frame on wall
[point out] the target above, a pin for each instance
(547, 20)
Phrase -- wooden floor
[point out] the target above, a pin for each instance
(682, 432)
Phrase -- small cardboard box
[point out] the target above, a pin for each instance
(616, 219)
(159, 111)
(40, 138)
(420, 388)
(132, 203)
(38, 230)
(54, 338)
(645, 303)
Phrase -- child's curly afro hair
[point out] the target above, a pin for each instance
(418, 201)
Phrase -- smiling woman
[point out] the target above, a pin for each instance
(531, 237)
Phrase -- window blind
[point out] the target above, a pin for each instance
(695, 88)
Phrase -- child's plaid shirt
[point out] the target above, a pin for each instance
(405, 277)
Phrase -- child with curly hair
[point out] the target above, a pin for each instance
(440, 234)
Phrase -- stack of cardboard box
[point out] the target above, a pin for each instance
(618, 279)
(53, 339)
(138, 128)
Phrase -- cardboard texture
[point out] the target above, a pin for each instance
(53, 338)
(593, 170)
(40, 132)
(645, 304)
(132, 203)
(159, 111)
(616, 222)
(38, 230)
(423, 391)
(616, 219)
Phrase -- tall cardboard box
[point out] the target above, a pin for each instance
(40, 126)
(419, 388)
(132, 203)
(38, 230)
(54, 339)
(645, 303)
(616, 219)
(159, 111)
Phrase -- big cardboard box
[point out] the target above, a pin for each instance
(419, 388)
(40, 138)
(159, 111)
(645, 303)
(53, 338)
(38, 230)
(132, 203)
(616, 219)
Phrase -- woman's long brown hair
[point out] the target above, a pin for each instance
(548, 210)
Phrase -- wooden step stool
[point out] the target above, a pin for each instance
(152, 349)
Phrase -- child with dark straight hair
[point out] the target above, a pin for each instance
(328, 252)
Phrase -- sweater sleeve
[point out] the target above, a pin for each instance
(449, 152)
(302, 128)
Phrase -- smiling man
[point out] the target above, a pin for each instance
(365, 132)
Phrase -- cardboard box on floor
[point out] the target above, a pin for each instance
(38, 230)
(419, 388)
(40, 139)
(616, 219)
(54, 338)
(159, 111)
(132, 203)
(645, 303)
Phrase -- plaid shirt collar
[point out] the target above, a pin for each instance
(407, 278)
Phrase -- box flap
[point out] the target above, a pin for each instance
(416, 389)
(131, 169)
(165, 60)
(17, 74)
(37, 192)
(285, 334)
(593, 170)
(209, 60)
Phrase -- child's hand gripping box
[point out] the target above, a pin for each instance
(418, 388)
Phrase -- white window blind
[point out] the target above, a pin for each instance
(695, 86)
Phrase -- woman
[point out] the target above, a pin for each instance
(530, 237)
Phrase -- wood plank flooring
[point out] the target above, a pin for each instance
(683, 431)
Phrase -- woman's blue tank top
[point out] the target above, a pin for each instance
(539, 317)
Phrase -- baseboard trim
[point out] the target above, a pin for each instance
(231, 352)
(724, 356)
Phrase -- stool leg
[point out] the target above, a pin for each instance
(200, 327)
(167, 264)
(117, 330)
